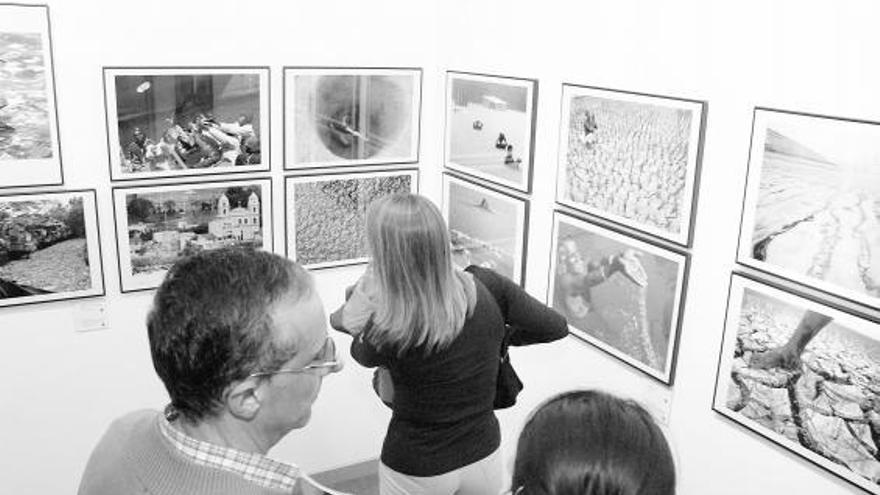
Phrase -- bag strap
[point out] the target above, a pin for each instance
(500, 303)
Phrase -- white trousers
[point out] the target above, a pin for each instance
(479, 478)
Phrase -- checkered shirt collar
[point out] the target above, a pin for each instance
(257, 468)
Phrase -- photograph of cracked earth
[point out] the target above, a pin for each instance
(628, 159)
(818, 204)
(823, 396)
(24, 107)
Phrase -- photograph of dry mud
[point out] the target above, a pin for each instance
(25, 131)
(618, 292)
(485, 228)
(43, 246)
(329, 214)
(630, 161)
(806, 377)
(817, 207)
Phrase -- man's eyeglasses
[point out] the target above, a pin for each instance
(327, 359)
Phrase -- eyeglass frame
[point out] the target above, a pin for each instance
(334, 363)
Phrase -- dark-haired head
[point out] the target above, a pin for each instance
(211, 325)
(592, 443)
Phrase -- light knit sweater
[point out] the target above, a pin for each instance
(134, 457)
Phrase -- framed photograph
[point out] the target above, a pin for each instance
(490, 127)
(49, 247)
(351, 116)
(620, 294)
(326, 214)
(811, 211)
(631, 158)
(803, 375)
(183, 121)
(487, 227)
(158, 224)
(30, 153)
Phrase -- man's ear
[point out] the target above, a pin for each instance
(243, 398)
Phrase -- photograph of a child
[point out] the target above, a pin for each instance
(618, 293)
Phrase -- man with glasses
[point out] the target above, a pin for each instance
(239, 339)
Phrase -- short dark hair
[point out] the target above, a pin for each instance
(592, 443)
(210, 324)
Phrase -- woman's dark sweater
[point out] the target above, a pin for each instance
(443, 415)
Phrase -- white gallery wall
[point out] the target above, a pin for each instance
(60, 387)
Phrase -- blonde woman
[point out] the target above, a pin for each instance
(438, 330)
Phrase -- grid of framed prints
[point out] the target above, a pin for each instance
(803, 373)
(631, 158)
(184, 121)
(30, 153)
(157, 224)
(619, 293)
(487, 227)
(351, 116)
(325, 214)
(811, 211)
(49, 247)
(490, 127)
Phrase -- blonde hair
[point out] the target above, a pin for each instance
(421, 300)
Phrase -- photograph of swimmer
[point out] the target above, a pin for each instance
(486, 228)
(351, 116)
(29, 149)
(186, 121)
(805, 376)
(631, 158)
(620, 294)
(490, 127)
(812, 202)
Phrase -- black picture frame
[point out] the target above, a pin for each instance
(37, 172)
(112, 120)
(127, 279)
(521, 212)
(668, 263)
(290, 238)
(530, 102)
(290, 163)
(788, 296)
(648, 199)
(93, 251)
(787, 151)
